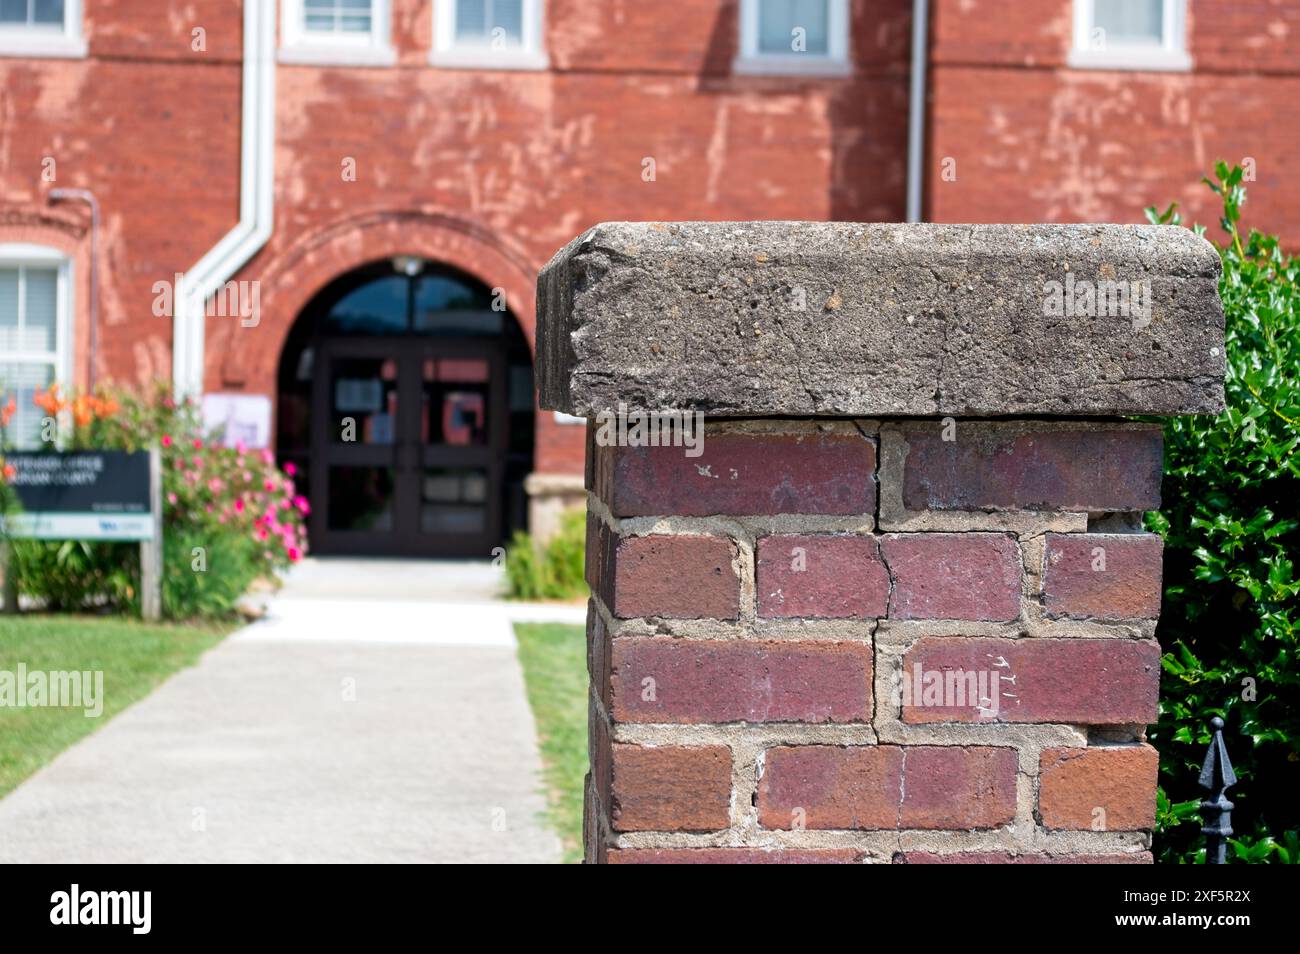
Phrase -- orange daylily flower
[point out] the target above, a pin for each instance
(49, 401)
(82, 412)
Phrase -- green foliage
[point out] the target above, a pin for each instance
(229, 514)
(553, 572)
(76, 575)
(1228, 627)
(230, 561)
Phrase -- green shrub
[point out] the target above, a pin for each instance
(1228, 627)
(230, 515)
(553, 572)
(229, 564)
(77, 575)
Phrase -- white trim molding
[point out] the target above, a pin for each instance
(490, 54)
(22, 255)
(836, 61)
(1169, 54)
(41, 41)
(298, 44)
(256, 202)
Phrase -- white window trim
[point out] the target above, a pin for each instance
(834, 62)
(1169, 55)
(299, 45)
(529, 55)
(41, 42)
(22, 254)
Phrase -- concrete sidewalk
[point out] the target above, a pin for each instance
(356, 723)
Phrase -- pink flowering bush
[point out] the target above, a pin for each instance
(230, 516)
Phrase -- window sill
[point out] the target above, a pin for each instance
(48, 46)
(463, 58)
(795, 64)
(1136, 60)
(331, 54)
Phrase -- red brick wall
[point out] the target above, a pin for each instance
(766, 624)
(152, 129)
(1037, 142)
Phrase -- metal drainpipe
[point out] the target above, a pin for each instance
(916, 108)
(85, 195)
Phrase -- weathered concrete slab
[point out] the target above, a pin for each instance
(840, 319)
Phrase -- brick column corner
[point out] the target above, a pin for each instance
(865, 542)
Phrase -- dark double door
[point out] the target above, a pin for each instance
(409, 446)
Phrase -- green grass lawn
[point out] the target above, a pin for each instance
(554, 659)
(135, 658)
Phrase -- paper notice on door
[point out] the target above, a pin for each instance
(381, 429)
(358, 395)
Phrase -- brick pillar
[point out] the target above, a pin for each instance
(901, 607)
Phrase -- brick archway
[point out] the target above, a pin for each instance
(247, 358)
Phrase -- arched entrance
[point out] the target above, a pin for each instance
(406, 409)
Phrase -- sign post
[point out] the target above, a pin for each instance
(11, 576)
(90, 495)
(151, 549)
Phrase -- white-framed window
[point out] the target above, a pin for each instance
(336, 32)
(794, 36)
(41, 28)
(35, 331)
(1130, 35)
(489, 34)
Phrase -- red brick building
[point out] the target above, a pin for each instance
(370, 186)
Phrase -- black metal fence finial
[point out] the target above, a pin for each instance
(1217, 777)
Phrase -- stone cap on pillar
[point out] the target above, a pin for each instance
(838, 319)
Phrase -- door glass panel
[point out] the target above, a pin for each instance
(380, 307)
(454, 401)
(445, 306)
(453, 500)
(361, 498)
(363, 400)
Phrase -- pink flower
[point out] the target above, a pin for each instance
(240, 448)
(198, 444)
(290, 469)
(294, 554)
(285, 504)
(171, 498)
(301, 503)
(268, 457)
(261, 533)
(198, 461)
(239, 505)
(166, 440)
(270, 486)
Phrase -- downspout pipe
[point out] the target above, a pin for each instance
(256, 202)
(917, 109)
(88, 197)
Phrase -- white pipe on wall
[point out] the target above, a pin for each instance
(256, 201)
(916, 108)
